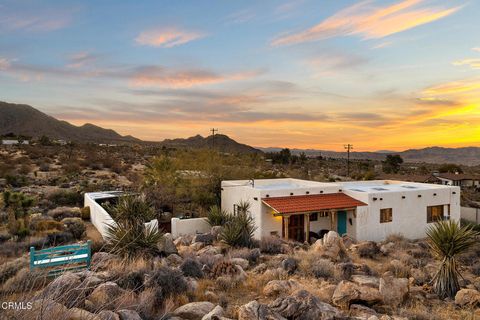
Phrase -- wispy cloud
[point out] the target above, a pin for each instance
(34, 19)
(472, 63)
(167, 37)
(454, 87)
(81, 59)
(369, 22)
(476, 49)
(332, 61)
(240, 16)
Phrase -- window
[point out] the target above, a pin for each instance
(434, 213)
(385, 215)
(314, 216)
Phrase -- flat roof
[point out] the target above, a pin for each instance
(376, 186)
(276, 184)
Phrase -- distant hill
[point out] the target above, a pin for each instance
(25, 120)
(222, 143)
(469, 156)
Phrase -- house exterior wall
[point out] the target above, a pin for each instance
(409, 214)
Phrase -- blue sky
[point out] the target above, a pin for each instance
(296, 73)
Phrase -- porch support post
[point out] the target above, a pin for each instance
(307, 229)
(285, 224)
(332, 220)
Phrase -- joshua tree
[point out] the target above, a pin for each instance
(447, 240)
(17, 205)
(129, 237)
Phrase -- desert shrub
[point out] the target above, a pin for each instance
(217, 217)
(61, 213)
(271, 245)
(323, 268)
(223, 268)
(399, 269)
(132, 280)
(168, 282)
(47, 224)
(129, 237)
(75, 226)
(191, 268)
(476, 269)
(209, 260)
(252, 255)
(85, 213)
(16, 181)
(10, 268)
(238, 231)
(26, 280)
(43, 166)
(58, 238)
(4, 237)
(66, 198)
(368, 249)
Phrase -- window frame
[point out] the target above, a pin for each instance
(430, 218)
(386, 215)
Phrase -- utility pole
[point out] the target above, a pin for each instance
(348, 147)
(213, 130)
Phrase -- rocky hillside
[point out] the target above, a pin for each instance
(25, 120)
(222, 143)
(201, 278)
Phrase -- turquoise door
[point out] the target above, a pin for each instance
(342, 222)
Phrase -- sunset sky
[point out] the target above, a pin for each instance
(294, 73)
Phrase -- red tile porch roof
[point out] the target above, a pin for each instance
(311, 202)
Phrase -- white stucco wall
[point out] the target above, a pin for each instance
(192, 226)
(100, 217)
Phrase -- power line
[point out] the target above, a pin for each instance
(348, 147)
(213, 130)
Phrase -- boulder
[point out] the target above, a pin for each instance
(166, 246)
(65, 290)
(184, 240)
(108, 315)
(80, 314)
(216, 313)
(290, 265)
(368, 281)
(109, 296)
(194, 310)
(325, 292)
(90, 283)
(362, 312)
(126, 314)
(261, 268)
(196, 246)
(174, 260)
(256, 311)
(241, 262)
(467, 297)
(206, 238)
(303, 305)
(215, 231)
(393, 290)
(208, 250)
(347, 292)
(280, 287)
(330, 246)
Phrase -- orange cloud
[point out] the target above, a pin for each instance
(163, 77)
(167, 37)
(454, 87)
(368, 22)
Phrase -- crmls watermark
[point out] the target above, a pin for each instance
(10, 305)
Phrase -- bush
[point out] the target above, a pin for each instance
(476, 269)
(58, 238)
(85, 213)
(323, 268)
(26, 280)
(345, 270)
(61, 213)
(217, 216)
(4, 237)
(168, 282)
(271, 245)
(10, 268)
(238, 231)
(47, 224)
(66, 198)
(368, 249)
(399, 269)
(191, 268)
(132, 280)
(252, 255)
(75, 226)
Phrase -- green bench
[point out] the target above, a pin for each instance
(56, 260)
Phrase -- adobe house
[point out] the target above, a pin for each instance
(362, 210)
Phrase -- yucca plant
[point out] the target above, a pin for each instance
(448, 240)
(217, 216)
(239, 229)
(128, 236)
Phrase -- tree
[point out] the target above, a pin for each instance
(45, 141)
(17, 205)
(392, 163)
(451, 168)
(448, 240)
